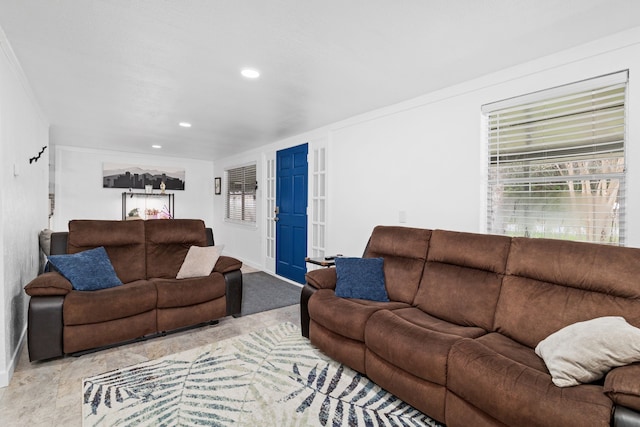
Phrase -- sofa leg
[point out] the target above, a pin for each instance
(44, 332)
(233, 280)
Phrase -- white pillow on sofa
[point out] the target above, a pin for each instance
(585, 351)
(199, 261)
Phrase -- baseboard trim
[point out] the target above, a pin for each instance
(6, 375)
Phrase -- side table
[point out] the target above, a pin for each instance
(321, 261)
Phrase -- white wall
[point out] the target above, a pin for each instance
(246, 242)
(426, 156)
(79, 193)
(23, 202)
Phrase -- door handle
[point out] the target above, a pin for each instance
(276, 219)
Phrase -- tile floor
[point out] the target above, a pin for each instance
(50, 393)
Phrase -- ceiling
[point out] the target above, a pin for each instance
(121, 74)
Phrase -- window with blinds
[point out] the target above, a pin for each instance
(241, 194)
(556, 162)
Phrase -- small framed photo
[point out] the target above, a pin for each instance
(218, 185)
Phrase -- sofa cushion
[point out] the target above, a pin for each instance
(87, 270)
(130, 299)
(167, 244)
(472, 250)
(565, 282)
(87, 336)
(410, 345)
(123, 241)
(186, 292)
(404, 250)
(361, 278)
(180, 317)
(334, 313)
(509, 386)
(584, 351)
(425, 396)
(585, 266)
(462, 277)
(199, 261)
(424, 320)
(524, 302)
(338, 347)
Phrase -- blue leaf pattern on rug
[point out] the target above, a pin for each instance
(272, 377)
(379, 405)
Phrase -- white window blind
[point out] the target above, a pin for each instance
(241, 194)
(556, 162)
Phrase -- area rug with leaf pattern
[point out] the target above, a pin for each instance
(273, 377)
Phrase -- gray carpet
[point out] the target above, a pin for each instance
(262, 292)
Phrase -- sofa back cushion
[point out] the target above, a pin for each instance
(462, 277)
(404, 250)
(551, 284)
(123, 241)
(168, 242)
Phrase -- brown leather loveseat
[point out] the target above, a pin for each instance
(466, 311)
(146, 256)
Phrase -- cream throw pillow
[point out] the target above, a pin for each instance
(586, 351)
(199, 261)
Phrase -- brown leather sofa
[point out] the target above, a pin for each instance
(146, 256)
(466, 311)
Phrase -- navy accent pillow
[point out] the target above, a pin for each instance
(361, 278)
(88, 270)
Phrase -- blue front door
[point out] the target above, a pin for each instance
(291, 212)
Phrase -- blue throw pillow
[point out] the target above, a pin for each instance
(88, 270)
(361, 278)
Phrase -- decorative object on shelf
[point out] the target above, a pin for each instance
(117, 175)
(163, 187)
(218, 185)
(151, 213)
(148, 188)
(133, 214)
(165, 213)
(36, 158)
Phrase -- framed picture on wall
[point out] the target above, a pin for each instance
(218, 185)
(118, 175)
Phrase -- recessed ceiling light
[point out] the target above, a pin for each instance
(185, 124)
(250, 73)
(156, 146)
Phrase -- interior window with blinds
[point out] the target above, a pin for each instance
(241, 194)
(556, 162)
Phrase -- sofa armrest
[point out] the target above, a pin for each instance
(233, 281)
(227, 264)
(622, 385)
(305, 319)
(48, 284)
(625, 417)
(45, 327)
(323, 278)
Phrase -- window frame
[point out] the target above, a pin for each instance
(561, 147)
(248, 188)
